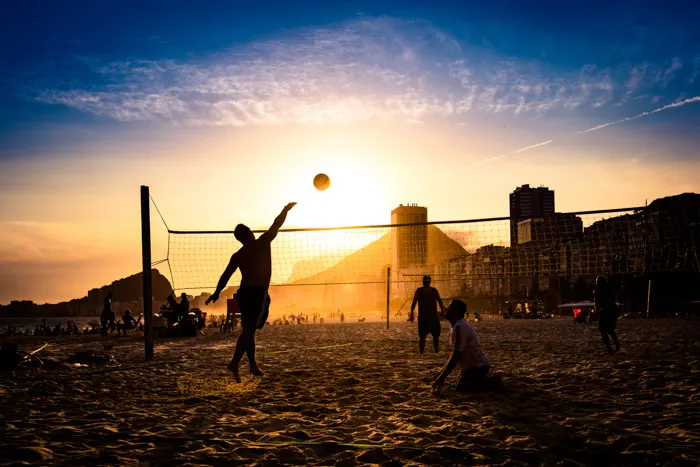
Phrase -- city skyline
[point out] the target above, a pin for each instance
(473, 253)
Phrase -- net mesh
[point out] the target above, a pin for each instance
(495, 257)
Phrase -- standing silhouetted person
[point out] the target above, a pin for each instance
(107, 317)
(255, 260)
(183, 306)
(427, 298)
(606, 309)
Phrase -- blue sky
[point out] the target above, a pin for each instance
(97, 98)
(624, 56)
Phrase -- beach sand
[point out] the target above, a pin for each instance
(358, 394)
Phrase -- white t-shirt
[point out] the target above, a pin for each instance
(469, 345)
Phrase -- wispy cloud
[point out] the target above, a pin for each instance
(381, 68)
(696, 69)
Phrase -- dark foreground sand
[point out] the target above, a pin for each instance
(565, 403)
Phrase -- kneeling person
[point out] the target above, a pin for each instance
(128, 322)
(466, 351)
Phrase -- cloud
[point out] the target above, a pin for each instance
(670, 73)
(696, 69)
(646, 75)
(637, 77)
(367, 69)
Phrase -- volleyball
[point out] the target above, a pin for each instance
(322, 182)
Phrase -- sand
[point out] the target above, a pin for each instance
(358, 394)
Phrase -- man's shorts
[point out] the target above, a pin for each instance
(428, 326)
(254, 303)
(607, 323)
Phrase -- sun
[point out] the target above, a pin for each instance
(353, 198)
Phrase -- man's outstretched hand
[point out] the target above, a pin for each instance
(289, 207)
(212, 299)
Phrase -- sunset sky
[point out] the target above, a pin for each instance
(228, 109)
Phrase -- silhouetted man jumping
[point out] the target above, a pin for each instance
(255, 260)
(427, 298)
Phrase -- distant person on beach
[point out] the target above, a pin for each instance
(466, 351)
(184, 304)
(128, 322)
(172, 310)
(606, 309)
(427, 298)
(254, 259)
(107, 317)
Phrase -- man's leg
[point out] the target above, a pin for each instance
(436, 335)
(606, 341)
(250, 352)
(242, 345)
(421, 344)
(615, 340)
(472, 378)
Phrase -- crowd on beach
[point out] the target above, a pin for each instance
(44, 329)
(226, 322)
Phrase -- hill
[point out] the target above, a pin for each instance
(129, 289)
(373, 259)
(682, 203)
(126, 290)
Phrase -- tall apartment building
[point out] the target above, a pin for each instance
(527, 202)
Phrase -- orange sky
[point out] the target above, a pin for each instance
(71, 222)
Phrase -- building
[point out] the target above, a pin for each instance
(488, 271)
(409, 244)
(200, 300)
(450, 276)
(550, 230)
(527, 202)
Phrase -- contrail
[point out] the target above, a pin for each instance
(644, 114)
(491, 159)
(595, 128)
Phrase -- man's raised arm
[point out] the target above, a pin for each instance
(228, 272)
(279, 220)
